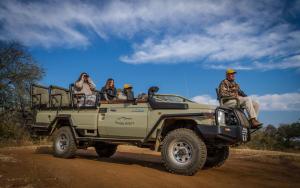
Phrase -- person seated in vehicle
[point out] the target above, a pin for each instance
(120, 95)
(229, 88)
(127, 91)
(109, 92)
(142, 97)
(85, 85)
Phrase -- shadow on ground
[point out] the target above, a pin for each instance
(120, 157)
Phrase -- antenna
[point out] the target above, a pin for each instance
(187, 89)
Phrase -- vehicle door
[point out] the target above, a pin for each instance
(126, 120)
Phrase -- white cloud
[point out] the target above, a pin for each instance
(59, 23)
(268, 102)
(173, 49)
(262, 36)
(205, 99)
(217, 33)
(284, 63)
(223, 48)
(279, 102)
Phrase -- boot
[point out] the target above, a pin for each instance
(255, 123)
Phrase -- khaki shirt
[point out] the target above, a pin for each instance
(228, 89)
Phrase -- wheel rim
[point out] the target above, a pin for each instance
(62, 143)
(182, 152)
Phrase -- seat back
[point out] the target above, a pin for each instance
(39, 96)
(219, 97)
(222, 100)
(59, 97)
(73, 95)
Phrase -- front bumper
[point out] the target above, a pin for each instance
(228, 134)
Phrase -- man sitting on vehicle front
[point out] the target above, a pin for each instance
(85, 85)
(229, 88)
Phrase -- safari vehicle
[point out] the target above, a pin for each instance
(189, 135)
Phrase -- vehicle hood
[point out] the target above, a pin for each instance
(201, 106)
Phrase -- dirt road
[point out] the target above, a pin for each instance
(142, 168)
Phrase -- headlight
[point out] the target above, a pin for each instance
(221, 117)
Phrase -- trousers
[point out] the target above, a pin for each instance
(252, 107)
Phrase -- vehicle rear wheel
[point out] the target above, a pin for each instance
(183, 152)
(105, 150)
(216, 157)
(64, 145)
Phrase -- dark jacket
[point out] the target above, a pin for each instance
(129, 94)
(108, 94)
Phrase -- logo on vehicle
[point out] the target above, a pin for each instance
(124, 121)
(138, 110)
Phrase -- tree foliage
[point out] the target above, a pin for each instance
(286, 136)
(17, 71)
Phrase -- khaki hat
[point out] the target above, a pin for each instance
(230, 71)
(127, 86)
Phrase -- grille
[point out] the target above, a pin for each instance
(230, 118)
(243, 119)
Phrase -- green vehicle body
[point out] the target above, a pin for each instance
(144, 123)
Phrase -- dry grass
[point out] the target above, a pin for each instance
(265, 156)
(24, 141)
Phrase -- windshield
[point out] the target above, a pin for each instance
(170, 98)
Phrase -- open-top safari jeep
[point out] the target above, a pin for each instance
(189, 135)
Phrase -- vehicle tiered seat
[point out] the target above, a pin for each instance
(59, 97)
(40, 96)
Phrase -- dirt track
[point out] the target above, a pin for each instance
(134, 167)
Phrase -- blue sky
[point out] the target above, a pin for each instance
(183, 47)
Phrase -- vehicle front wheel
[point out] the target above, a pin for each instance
(64, 145)
(183, 152)
(105, 150)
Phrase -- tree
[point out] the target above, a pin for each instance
(288, 133)
(18, 70)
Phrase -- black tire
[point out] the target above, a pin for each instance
(105, 150)
(64, 145)
(183, 152)
(216, 157)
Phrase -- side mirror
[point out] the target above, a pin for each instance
(152, 90)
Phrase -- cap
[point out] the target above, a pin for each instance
(230, 71)
(127, 86)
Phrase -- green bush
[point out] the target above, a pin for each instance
(12, 131)
(285, 137)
